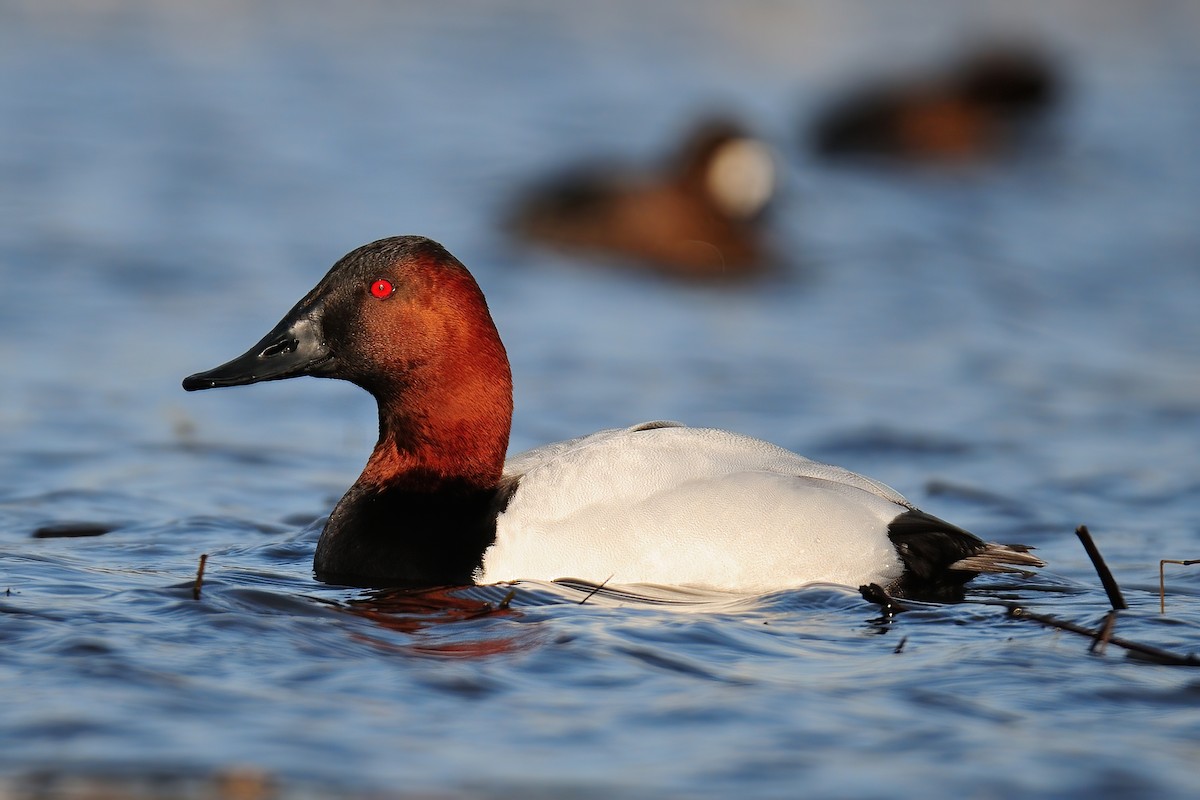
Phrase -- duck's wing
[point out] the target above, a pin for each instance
(663, 451)
(662, 503)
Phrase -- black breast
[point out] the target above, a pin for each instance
(399, 537)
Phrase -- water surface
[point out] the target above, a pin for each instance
(1014, 346)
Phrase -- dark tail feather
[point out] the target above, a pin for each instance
(939, 557)
(1000, 558)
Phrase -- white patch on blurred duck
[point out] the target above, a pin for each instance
(742, 177)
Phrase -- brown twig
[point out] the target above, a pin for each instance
(1162, 581)
(508, 598)
(874, 593)
(592, 593)
(199, 577)
(1154, 654)
(1115, 598)
(1102, 638)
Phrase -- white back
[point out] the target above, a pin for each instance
(662, 503)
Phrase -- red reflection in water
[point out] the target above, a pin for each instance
(420, 613)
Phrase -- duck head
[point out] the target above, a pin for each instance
(405, 320)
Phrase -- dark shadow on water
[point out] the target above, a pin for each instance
(73, 530)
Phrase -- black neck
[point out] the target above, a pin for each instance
(397, 536)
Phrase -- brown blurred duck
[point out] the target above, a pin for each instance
(983, 105)
(697, 218)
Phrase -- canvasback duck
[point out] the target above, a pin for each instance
(983, 105)
(697, 219)
(656, 503)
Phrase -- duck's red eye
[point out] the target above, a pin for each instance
(381, 288)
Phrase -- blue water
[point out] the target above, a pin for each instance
(1013, 346)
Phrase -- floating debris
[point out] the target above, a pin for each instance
(199, 577)
(1162, 582)
(73, 530)
(1100, 638)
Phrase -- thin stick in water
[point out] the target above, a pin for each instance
(1115, 598)
(1162, 582)
(1154, 654)
(199, 577)
(592, 593)
(1104, 634)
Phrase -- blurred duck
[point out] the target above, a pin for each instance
(983, 105)
(698, 218)
(438, 503)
